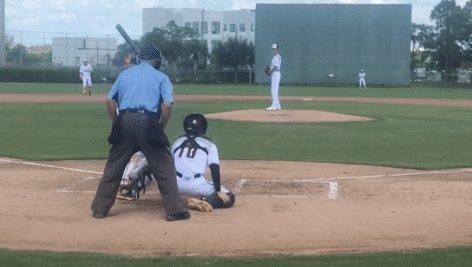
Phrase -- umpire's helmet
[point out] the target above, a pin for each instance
(195, 124)
(151, 52)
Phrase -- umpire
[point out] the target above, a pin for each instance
(144, 97)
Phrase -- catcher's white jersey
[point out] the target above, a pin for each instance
(194, 161)
(191, 164)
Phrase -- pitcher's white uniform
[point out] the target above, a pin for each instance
(191, 165)
(275, 80)
(86, 74)
(275, 65)
(362, 79)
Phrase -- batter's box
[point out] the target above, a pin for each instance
(288, 188)
(85, 185)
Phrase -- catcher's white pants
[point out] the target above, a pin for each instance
(199, 187)
(361, 82)
(274, 89)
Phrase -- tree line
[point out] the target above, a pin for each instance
(19, 54)
(446, 45)
(183, 49)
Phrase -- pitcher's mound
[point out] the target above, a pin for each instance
(289, 115)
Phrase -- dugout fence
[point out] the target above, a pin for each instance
(108, 74)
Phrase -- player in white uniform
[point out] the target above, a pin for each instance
(86, 77)
(275, 78)
(193, 153)
(362, 80)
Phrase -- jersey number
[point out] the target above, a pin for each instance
(191, 152)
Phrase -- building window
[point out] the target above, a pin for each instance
(215, 27)
(195, 26)
(252, 27)
(205, 27)
(232, 27)
(225, 27)
(242, 27)
(188, 24)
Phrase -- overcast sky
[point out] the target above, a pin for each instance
(37, 21)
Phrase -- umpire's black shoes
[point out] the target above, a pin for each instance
(179, 216)
(98, 215)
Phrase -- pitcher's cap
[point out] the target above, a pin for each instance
(275, 46)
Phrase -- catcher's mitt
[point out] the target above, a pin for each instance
(267, 70)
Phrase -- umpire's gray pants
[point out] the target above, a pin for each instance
(134, 130)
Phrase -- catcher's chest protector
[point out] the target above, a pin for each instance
(192, 146)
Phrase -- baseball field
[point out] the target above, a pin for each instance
(339, 177)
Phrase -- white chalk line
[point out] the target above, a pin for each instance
(283, 196)
(326, 180)
(67, 189)
(48, 166)
(73, 191)
(239, 185)
(333, 193)
(62, 190)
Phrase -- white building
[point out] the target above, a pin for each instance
(72, 51)
(213, 26)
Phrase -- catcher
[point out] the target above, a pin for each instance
(192, 153)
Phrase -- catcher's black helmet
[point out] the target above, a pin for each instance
(151, 52)
(195, 124)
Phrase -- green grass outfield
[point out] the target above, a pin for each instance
(407, 136)
(437, 90)
(450, 257)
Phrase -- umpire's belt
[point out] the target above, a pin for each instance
(136, 110)
(198, 175)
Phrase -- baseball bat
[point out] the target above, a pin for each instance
(128, 40)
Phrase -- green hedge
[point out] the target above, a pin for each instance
(53, 75)
(47, 75)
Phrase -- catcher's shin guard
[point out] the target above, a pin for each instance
(217, 203)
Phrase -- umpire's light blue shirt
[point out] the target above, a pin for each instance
(142, 87)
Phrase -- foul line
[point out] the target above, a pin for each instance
(48, 166)
(325, 180)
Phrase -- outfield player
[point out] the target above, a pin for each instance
(86, 77)
(362, 80)
(192, 153)
(275, 78)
